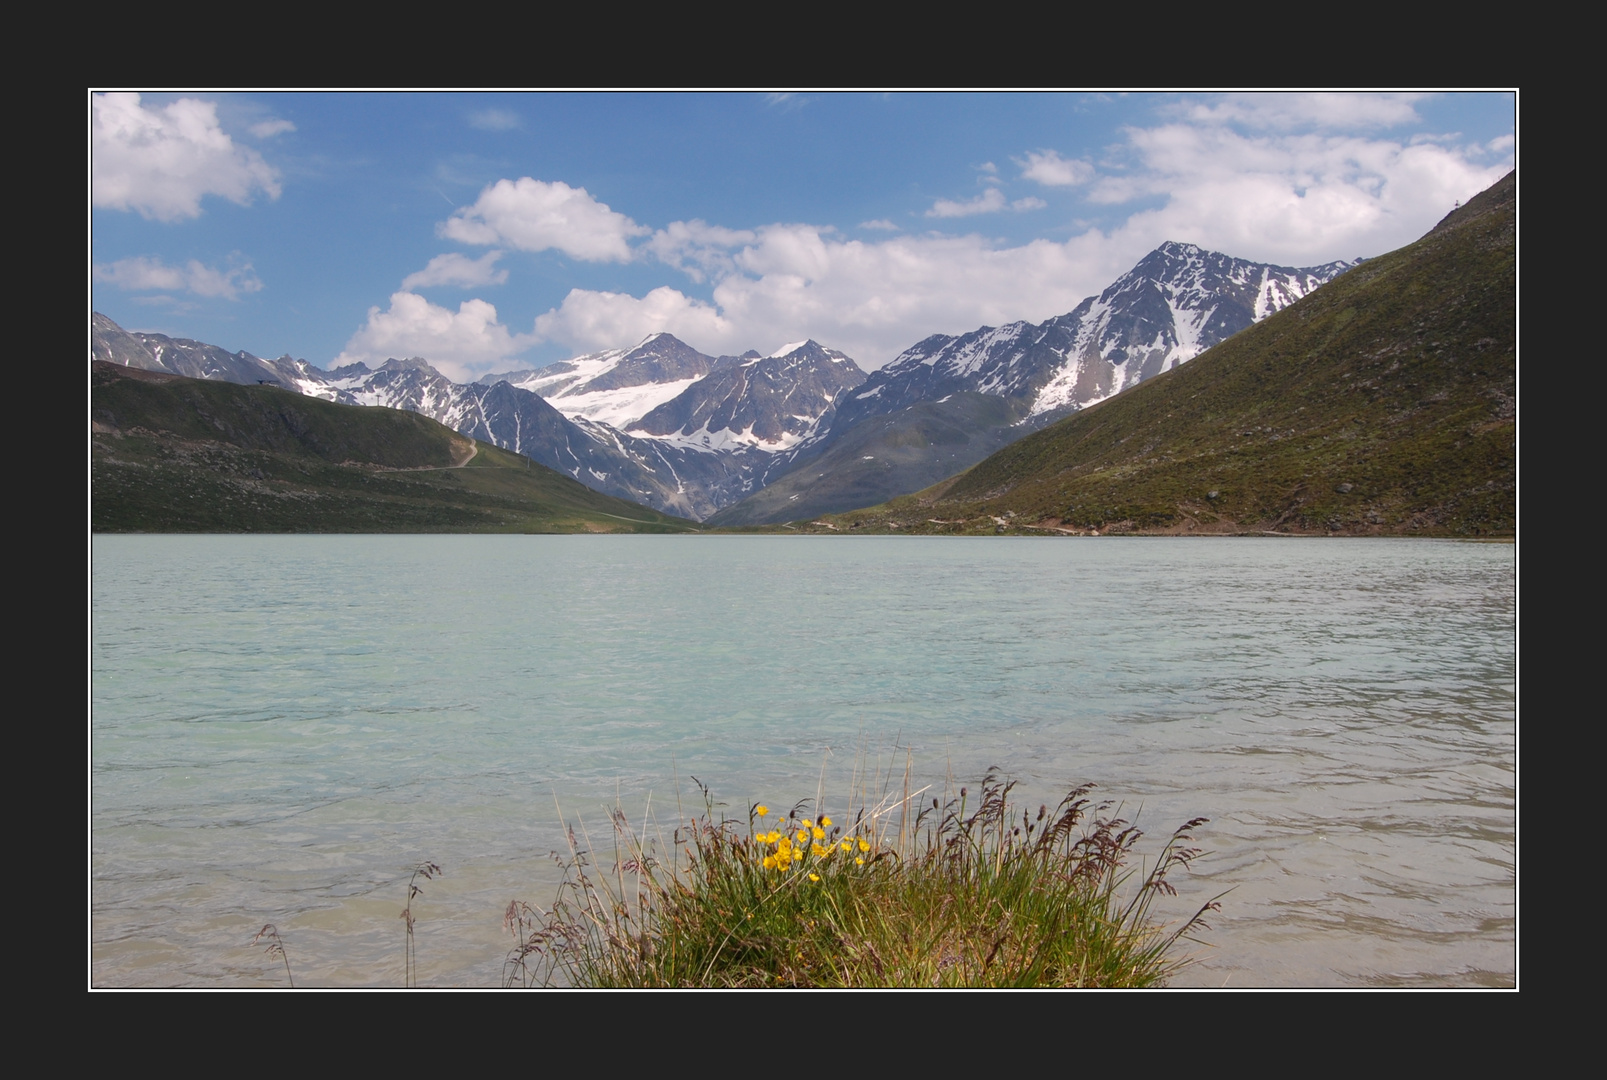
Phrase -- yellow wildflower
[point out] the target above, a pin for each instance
(826, 822)
(820, 834)
(864, 845)
(814, 877)
(761, 810)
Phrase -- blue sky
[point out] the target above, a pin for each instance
(488, 232)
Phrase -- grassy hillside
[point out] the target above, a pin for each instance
(170, 454)
(1382, 404)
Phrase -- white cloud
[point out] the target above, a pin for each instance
(142, 274)
(267, 129)
(455, 269)
(872, 300)
(532, 215)
(162, 162)
(1295, 199)
(494, 120)
(880, 223)
(1287, 111)
(990, 201)
(590, 320)
(1050, 169)
(697, 247)
(461, 344)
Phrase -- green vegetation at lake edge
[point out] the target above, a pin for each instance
(1382, 404)
(914, 891)
(170, 454)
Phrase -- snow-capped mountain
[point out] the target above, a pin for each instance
(753, 407)
(1176, 303)
(720, 426)
(617, 387)
(771, 403)
(181, 356)
(664, 389)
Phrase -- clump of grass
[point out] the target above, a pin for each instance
(958, 894)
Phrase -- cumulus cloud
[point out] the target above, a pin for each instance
(871, 300)
(1050, 169)
(532, 215)
(163, 162)
(880, 223)
(143, 274)
(1295, 198)
(455, 269)
(494, 120)
(462, 344)
(697, 247)
(590, 320)
(990, 201)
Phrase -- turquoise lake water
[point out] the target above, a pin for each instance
(281, 726)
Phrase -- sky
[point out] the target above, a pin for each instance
(494, 232)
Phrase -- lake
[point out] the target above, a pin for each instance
(281, 726)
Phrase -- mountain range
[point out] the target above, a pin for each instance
(802, 431)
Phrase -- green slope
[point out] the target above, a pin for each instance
(170, 454)
(1382, 404)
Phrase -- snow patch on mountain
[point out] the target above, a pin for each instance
(724, 439)
(619, 408)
